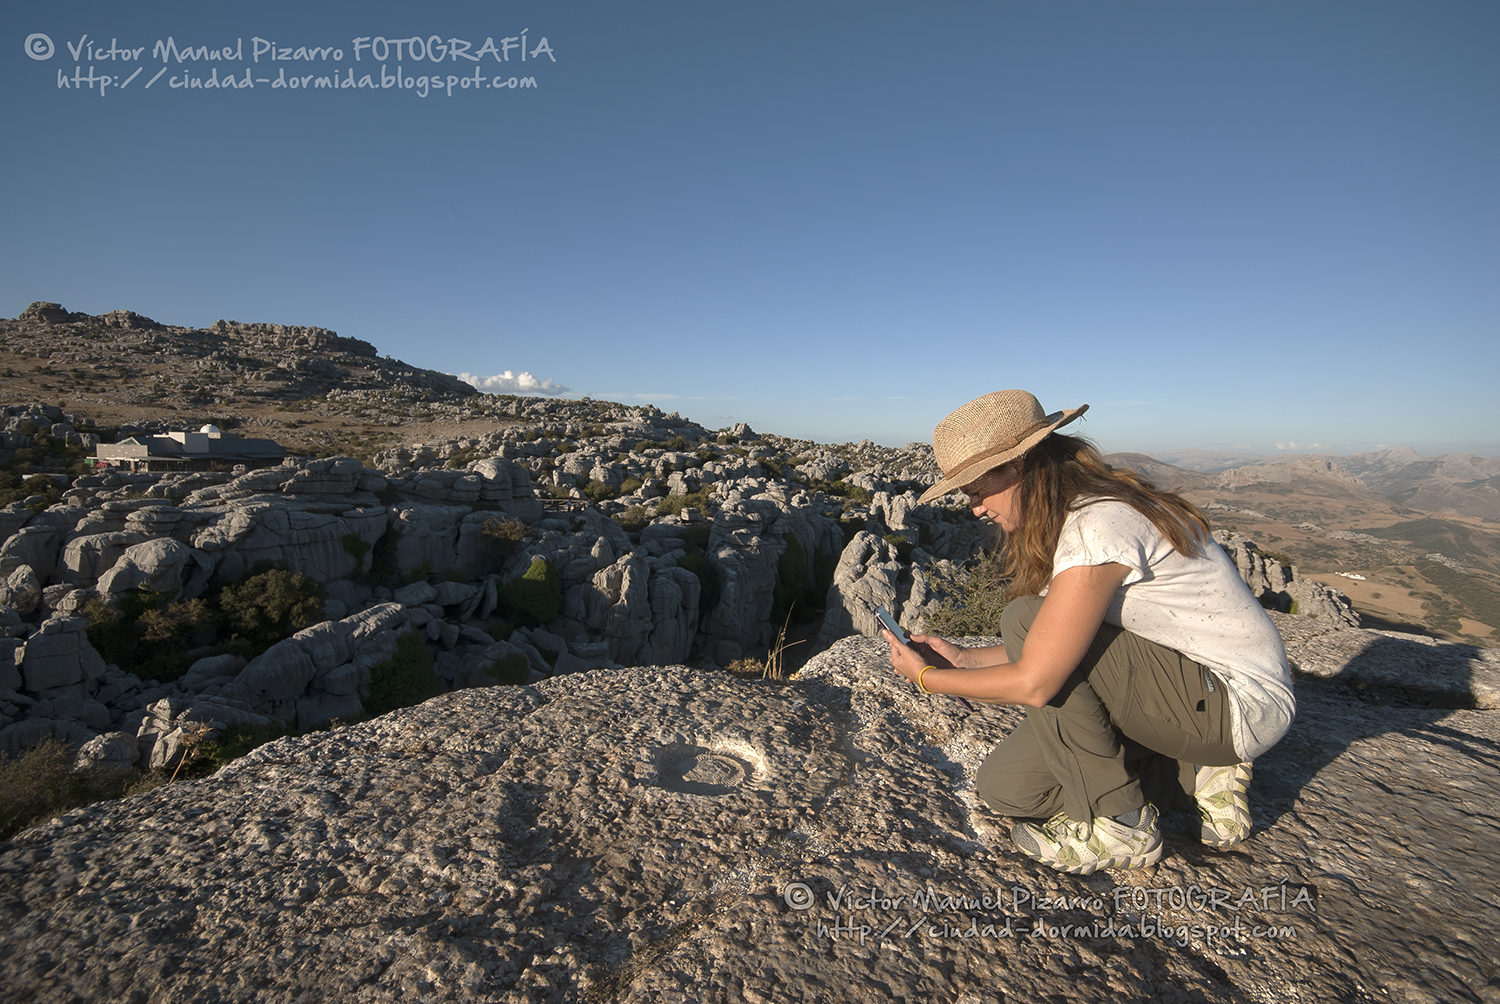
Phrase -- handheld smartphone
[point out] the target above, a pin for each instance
(889, 623)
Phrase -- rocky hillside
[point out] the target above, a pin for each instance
(307, 387)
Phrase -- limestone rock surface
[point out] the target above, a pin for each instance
(660, 833)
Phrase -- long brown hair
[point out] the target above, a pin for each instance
(1055, 474)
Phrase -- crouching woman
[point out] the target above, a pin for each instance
(1149, 672)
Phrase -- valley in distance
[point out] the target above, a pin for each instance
(1412, 540)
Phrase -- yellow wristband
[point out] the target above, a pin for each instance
(920, 686)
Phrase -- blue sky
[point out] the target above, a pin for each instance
(1224, 226)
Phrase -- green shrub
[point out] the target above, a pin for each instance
(726, 438)
(674, 504)
(147, 636)
(600, 491)
(643, 445)
(633, 519)
(42, 781)
(901, 544)
(356, 548)
(537, 595)
(406, 678)
(268, 607)
(630, 486)
(169, 633)
(975, 601)
(502, 535)
(677, 443)
(771, 466)
(511, 670)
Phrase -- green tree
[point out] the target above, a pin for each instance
(267, 607)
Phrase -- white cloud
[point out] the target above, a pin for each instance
(512, 383)
(1302, 446)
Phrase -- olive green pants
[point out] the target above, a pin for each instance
(1131, 725)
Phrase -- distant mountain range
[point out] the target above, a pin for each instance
(1458, 483)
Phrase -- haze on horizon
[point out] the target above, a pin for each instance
(1262, 228)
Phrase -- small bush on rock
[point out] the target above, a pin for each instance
(600, 491)
(42, 781)
(536, 597)
(405, 679)
(267, 607)
(633, 519)
(975, 601)
(674, 504)
(511, 670)
(504, 534)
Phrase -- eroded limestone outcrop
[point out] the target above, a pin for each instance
(666, 833)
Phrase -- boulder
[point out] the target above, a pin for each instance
(35, 545)
(86, 558)
(162, 565)
(21, 590)
(112, 750)
(58, 655)
(868, 576)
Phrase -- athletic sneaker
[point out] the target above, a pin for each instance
(1223, 795)
(1084, 848)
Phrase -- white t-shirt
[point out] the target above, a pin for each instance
(1198, 606)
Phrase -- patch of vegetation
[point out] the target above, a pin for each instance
(17, 487)
(267, 607)
(975, 601)
(630, 486)
(356, 548)
(535, 597)
(511, 670)
(674, 504)
(633, 520)
(148, 636)
(406, 678)
(903, 546)
(1278, 557)
(771, 466)
(502, 535)
(1442, 536)
(1475, 598)
(42, 781)
(677, 443)
(600, 491)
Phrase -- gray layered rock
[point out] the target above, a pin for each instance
(869, 575)
(58, 655)
(667, 834)
(1280, 587)
(21, 590)
(86, 558)
(162, 565)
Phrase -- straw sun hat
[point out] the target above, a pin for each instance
(990, 431)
